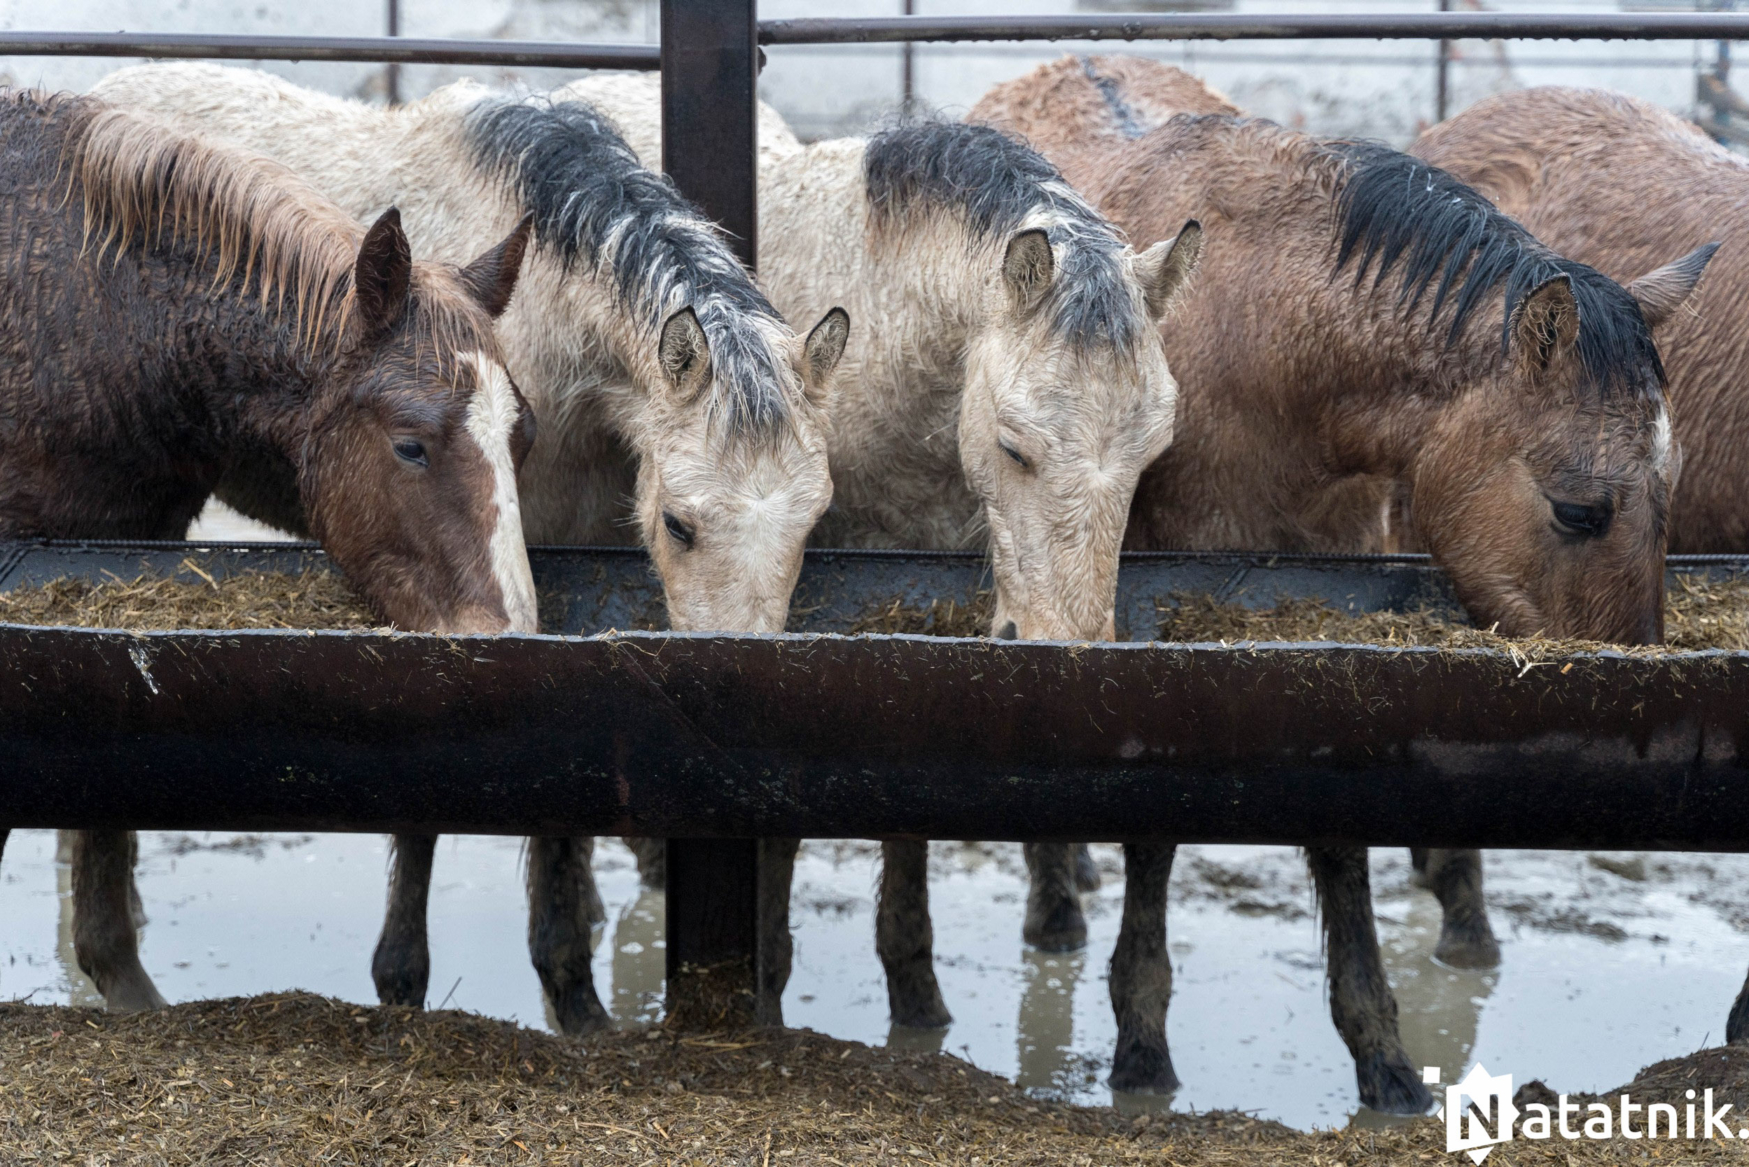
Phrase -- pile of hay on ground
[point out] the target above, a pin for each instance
(293, 1079)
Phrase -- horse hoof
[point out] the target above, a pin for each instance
(1390, 1085)
(1468, 947)
(1063, 928)
(924, 1014)
(399, 985)
(132, 995)
(1086, 871)
(580, 1014)
(1143, 1070)
(1737, 1025)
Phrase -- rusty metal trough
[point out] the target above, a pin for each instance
(815, 733)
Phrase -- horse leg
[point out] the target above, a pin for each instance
(1141, 974)
(1418, 867)
(777, 865)
(1737, 1025)
(904, 938)
(561, 890)
(104, 940)
(1054, 922)
(1086, 871)
(1361, 1003)
(401, 964)
(1465, 939)
(652, 857)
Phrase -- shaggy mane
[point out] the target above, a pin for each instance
(997, 184)
(1394, 207)
(141, 182)
(593, 202)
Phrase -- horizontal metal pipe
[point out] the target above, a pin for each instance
(678, 735)
(1224, 26)
(398, 50)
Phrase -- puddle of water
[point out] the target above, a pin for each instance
(1611, 962)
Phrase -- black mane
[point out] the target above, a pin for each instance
(1396, 207)
(588, 192)
(997, 183)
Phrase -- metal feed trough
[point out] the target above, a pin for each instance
(816, 733)
(714, 741)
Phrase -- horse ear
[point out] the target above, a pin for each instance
(1545, 323)
(1028, 267)
(382, 275)
(491, 278)
(1165, 268)
(823, 350)
(1662, 291)
(685, 353)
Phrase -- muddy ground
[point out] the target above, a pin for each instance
(299, 1079)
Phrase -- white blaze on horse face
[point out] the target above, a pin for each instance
(748, 504)
(1053, 442)
(493, 415)
(1661, 442)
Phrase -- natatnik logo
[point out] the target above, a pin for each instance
(1479, 1115)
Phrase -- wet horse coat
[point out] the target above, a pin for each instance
(673, 401)
(1612, 180)
(1003, 389)
(1341, 339)
(177, 311)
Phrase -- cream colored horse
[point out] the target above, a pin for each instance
(658, 373)
(1004, 388)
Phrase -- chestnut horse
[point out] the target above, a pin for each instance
(1611, 180)
(176, 311)
(675, 403)
(1343, 338)
(1005, 389)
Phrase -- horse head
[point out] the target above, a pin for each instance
(1545, 489)
(409, 468)
(1067, 399)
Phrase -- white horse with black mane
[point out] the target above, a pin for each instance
(1005, 387)
(658, 373)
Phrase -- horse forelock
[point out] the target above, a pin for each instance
(997, 186)
(1394, 208)
(142, 183)
(594, 204)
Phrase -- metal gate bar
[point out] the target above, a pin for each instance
(376, 49)
(1646, 26)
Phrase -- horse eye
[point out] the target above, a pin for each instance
(1013, 453)
(1575, 518)
(682, 533)
(409, 450)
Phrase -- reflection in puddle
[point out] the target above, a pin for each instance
(1611, 962)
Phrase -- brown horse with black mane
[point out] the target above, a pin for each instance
(1612, 179)
(175, 313)
(1362, 320)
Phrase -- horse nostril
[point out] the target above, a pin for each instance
(1007, 632)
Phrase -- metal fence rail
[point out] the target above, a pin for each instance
(1679, 26)
(392, 50)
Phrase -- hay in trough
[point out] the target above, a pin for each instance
(1699, 613)
(293, 1079)
(246, 599)
(941, 618)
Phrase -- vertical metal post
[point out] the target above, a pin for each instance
(908, 68)
(392, 71)
(710, 147)
(1440, 98)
